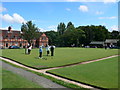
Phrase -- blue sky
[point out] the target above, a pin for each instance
(47, 15)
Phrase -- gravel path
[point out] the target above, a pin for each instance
(46, 83)
(57, 77)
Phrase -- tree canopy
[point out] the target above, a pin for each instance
(68, 35)
(84, 34)
(30, 31)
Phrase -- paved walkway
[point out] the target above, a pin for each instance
(57, 77)
(45, 83)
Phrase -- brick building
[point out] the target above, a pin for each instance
(13, 37)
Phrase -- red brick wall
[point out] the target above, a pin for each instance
(43, 40)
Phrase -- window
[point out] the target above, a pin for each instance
(16, 43)
(43, 38)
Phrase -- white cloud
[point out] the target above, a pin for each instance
(42, 30)
(2, 9)
(15, 18)
(114, 27)
(99, 12)
(57, 0)
(68, 9)
(83, 8)
(72, 0)
(53, 27)
(113, 17)
(105, 1)
(4, 28)
(6, 18)
(104, 24)
(109, 1)
(81, 0)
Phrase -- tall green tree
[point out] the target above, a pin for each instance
(53, 37)
(80, 36)
(89, 34)
(95, 33)
(30, 31)
(73, 36)
(69, 24)
(61, 28)
(70, 28)
(115, 34)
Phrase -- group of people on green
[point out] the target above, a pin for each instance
(48, 50)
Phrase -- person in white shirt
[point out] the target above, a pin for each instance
(48, 49)
(29, 49)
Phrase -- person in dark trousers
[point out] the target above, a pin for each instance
(40, 52)
(52, 50)
(26, 49)
(29, 49)
(105, 46)
(47, 49)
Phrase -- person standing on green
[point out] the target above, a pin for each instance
(40, 52)
(47, 49)
(52, 50)
(29, 49)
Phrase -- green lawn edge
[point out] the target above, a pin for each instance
(63, 76)
(39, 68)
(53, 66)
(68, 85)
(16, 81)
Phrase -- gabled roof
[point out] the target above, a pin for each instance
(97, 42)
(16, 33)
(6, 33)
(43, 35)
(111, 40)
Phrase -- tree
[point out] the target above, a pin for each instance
(30, 31)
(61, 28)
(89, 34)
(69, 24)
(70, 28)
(80, 36)
(53, 37)
(73, 36)
(114, 34)
(94, 33)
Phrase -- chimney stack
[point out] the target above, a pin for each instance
(9, 28)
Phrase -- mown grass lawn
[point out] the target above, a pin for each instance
(11, 80)
(0, 76)
(102, 73)
(63, 56)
